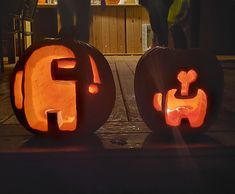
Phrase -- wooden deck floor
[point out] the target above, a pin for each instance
(122, 156)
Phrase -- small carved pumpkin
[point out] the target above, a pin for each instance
(62, 87)
(112, 1)
(178, 89)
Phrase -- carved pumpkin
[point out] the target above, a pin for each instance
(178, 90)
(112, 1)
(62, 87)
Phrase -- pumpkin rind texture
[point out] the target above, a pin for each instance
(178, 90)
(60, 87)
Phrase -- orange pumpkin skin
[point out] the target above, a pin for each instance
(61, 87)
(178, 90)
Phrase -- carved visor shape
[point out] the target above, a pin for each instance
(194, 109)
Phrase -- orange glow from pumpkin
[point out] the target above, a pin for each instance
(157, 101)
(96, 77)
(112, 1)
(18, 90)
(194, 109)
(186, 78)
(64, 64)
(42, 94)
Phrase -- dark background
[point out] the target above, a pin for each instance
(213, 22)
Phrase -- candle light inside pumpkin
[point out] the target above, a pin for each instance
(55, 87)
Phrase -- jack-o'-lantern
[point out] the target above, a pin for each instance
(60, 87)
(178, 90)
(112, 1)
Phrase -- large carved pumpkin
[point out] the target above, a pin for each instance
(62, 87)
(178, 90)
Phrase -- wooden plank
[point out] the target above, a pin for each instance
(145, 16)
(120, 30)
(2, 97)
(12, 120)
(130, 1)
(152, 141)
(110, 59)
(228, 65)
(4, 88)
(224, 123)
(12, 143)
(14, 136)
(6, 109)
(132, 31)
(229, 90)
(226, 57)
(123, 128)
(13, 130)
(126, 80)
(108, 29)
(8, 130)
(224, 138)
(132, 64)
(123, 141)
(105, 31)
(112, 27)
(226, 119)
(135, 17)
(116, 136)
(119, 111)
(138, 29)
(4, 80)
(146, 140)
(96, 39)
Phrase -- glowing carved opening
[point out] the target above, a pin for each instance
(96, 77)
(193, 109)
(93, 89)
(42, 94)
(186, 78)
(18, 96)
(157, 101)
(66, 64)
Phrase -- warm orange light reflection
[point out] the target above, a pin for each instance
(18, 96)
(42, 94)
(194, 109)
